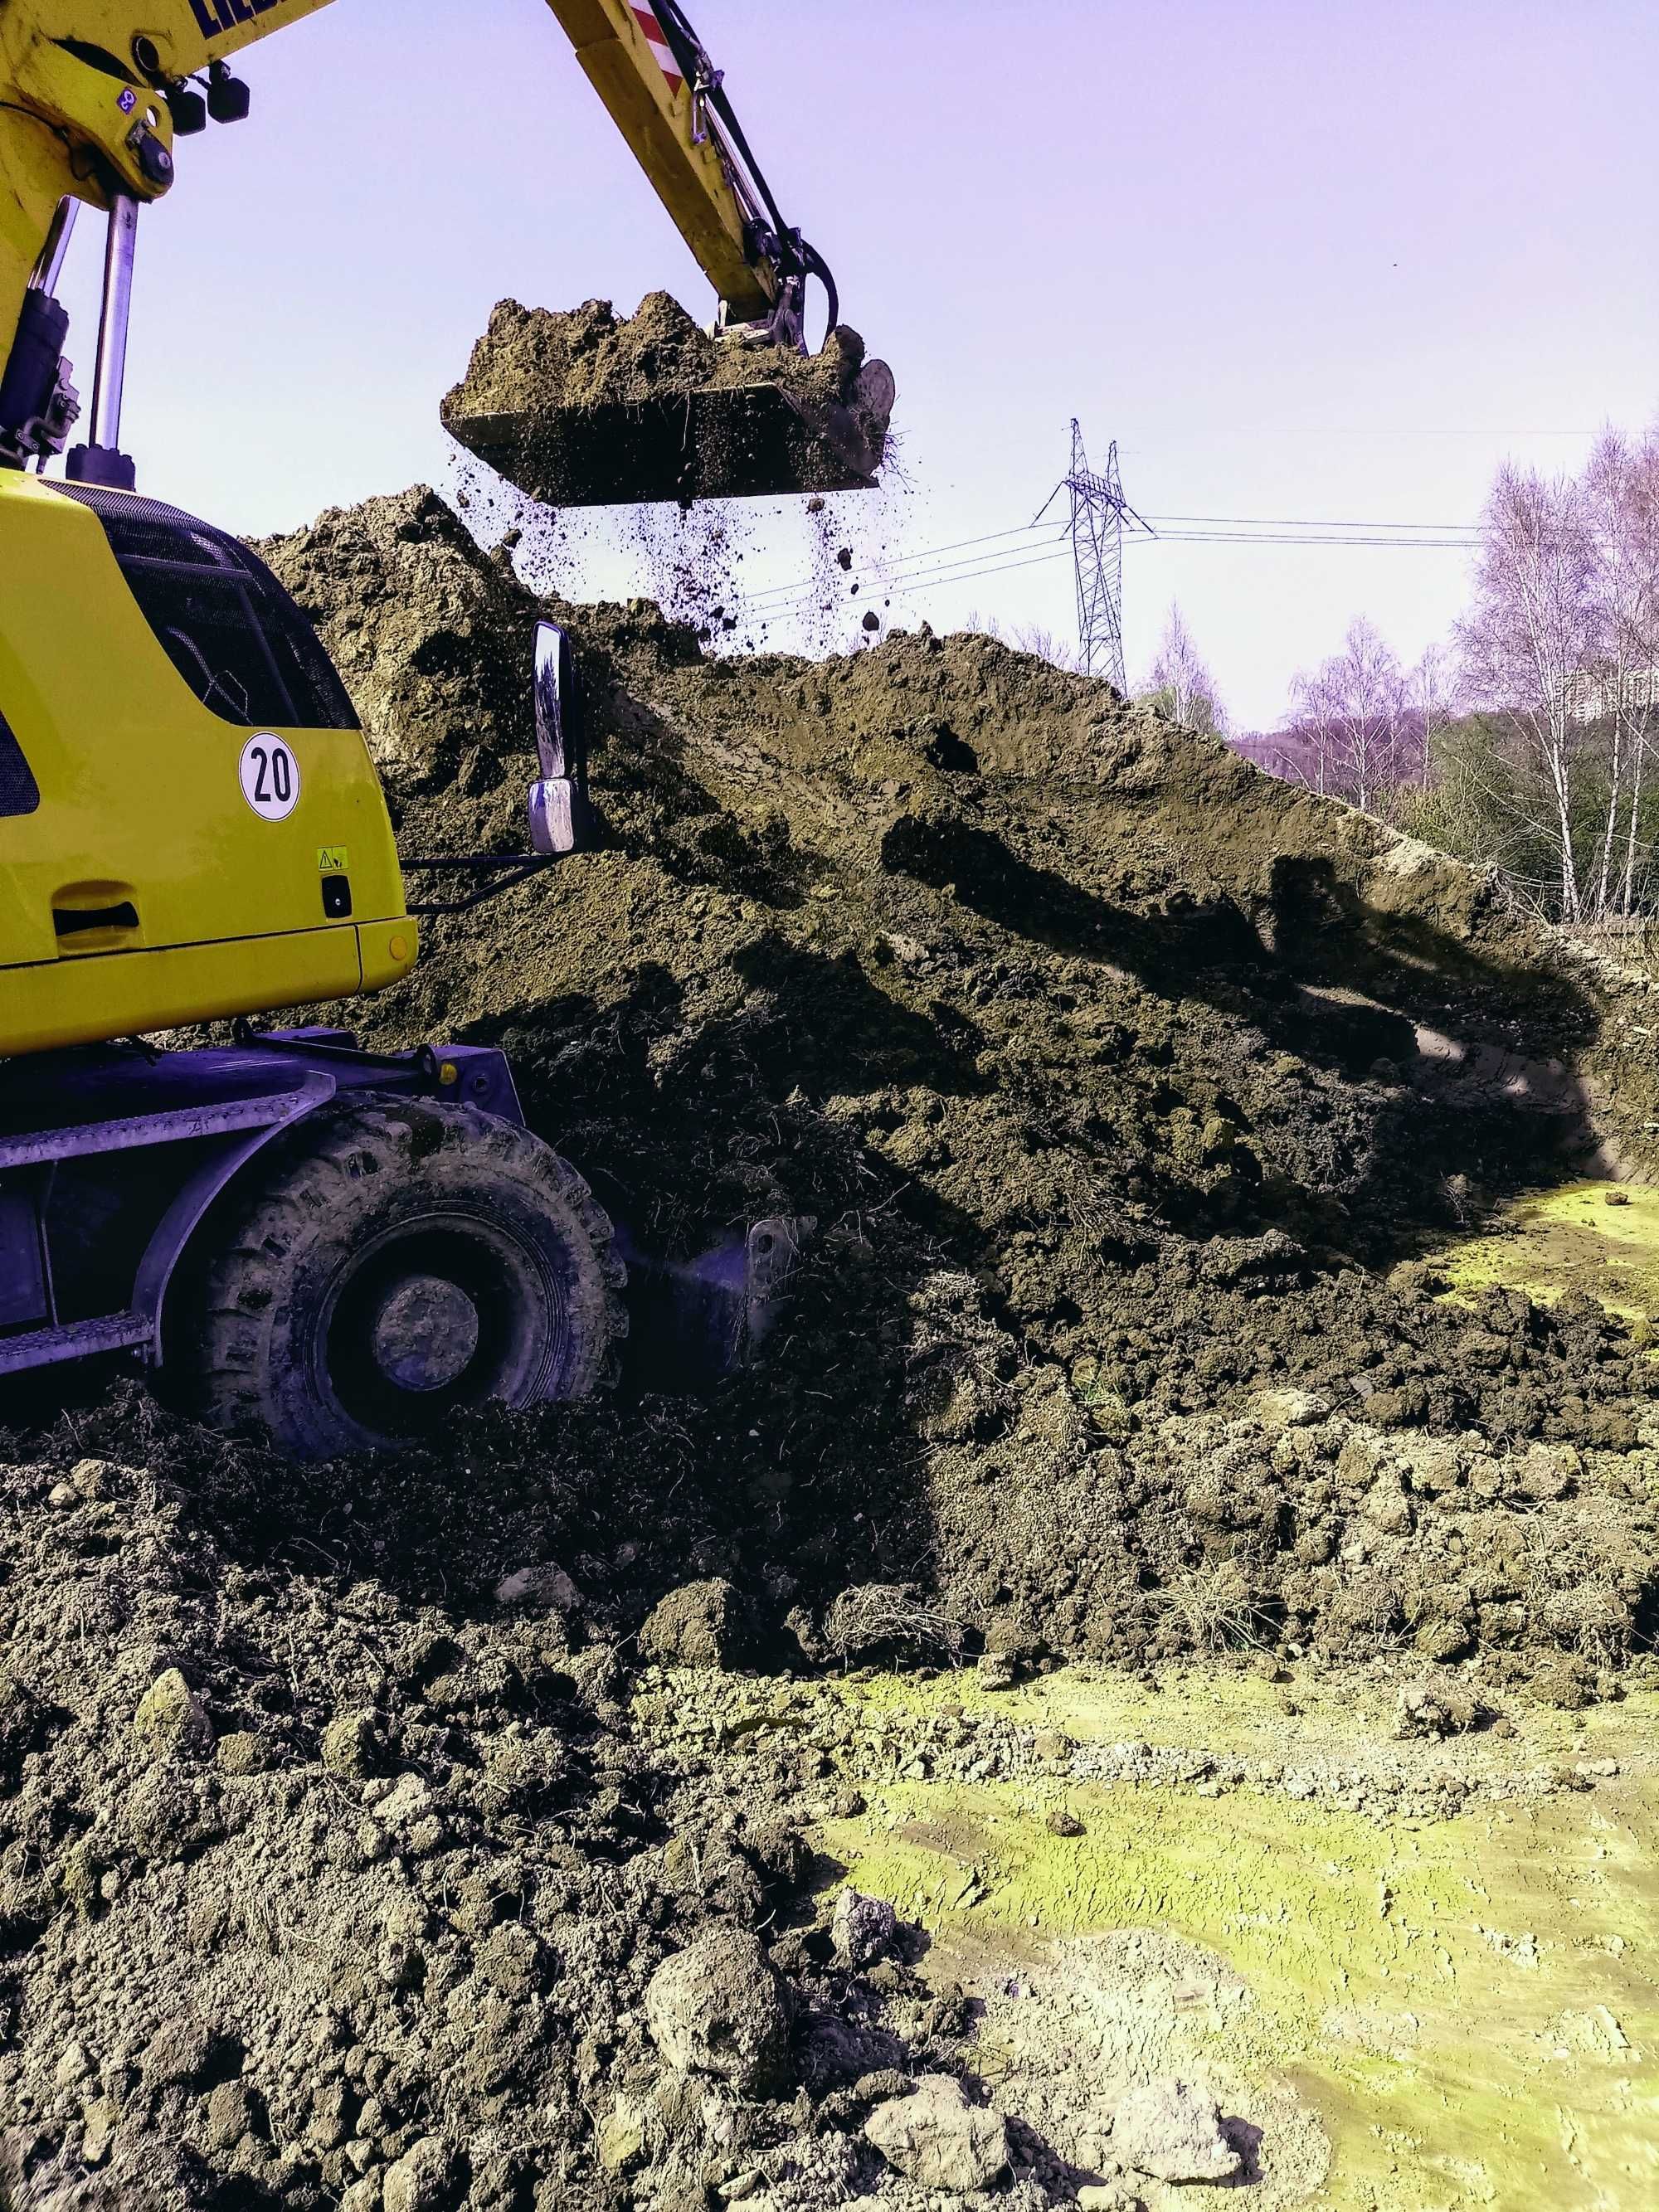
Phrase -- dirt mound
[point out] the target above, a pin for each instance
(1117, 1077)
(344, 1834)
(590, 408)
(314, 1894)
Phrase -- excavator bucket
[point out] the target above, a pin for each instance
(587, 409)
(742, 442)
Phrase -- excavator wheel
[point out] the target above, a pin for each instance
(392, 1264)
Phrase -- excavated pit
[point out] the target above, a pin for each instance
(586, 409)
(343, 1821)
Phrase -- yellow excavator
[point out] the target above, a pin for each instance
(332, 1249)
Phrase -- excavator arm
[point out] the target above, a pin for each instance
(94, 94)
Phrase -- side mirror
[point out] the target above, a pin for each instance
(561, 818)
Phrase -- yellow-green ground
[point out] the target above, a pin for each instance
(1470, 2006)
(1601, 1238)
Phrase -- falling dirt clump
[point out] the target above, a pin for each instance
(588, 408)
(1121, 1083)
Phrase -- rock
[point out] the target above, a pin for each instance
(98, 2124)
(1059, 1822)
(349, 1743)
(937, 2139)
(545, 1589)
(172, 1718)
(998, 1670)
(186, 2050)
(877, 2087)
(91, 1478)
(741, 2185)
(73, 2065)
(863, 1928)
(718, 2008)
(1435, 1709)
(243, 1752)
(699, 1624)
(230, 2114)
(1568, 1683)
(408, 1800)
(427, 2178)
(623, 2135)
(1171, 2131)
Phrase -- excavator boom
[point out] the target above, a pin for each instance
(93, 102)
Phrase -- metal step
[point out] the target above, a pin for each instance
(78, 1340)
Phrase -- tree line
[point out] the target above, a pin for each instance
(1528, 745)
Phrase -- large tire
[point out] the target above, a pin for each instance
(392, 1263)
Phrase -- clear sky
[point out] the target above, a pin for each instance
(1302, 259)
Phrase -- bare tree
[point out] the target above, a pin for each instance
(1621, 492)
(1356, 722)
(1530, 638)
(1027, 637)
(1181, 681)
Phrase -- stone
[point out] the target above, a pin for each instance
(350, 1744)
(1171, 2131)
(1059, 1822)
(73, 2065)
(544, 1589)
(623, 2135)
(997, 1670)
(937, 2139)
(408, 1800)
(186, 2050)
(863, 1928)
(1435, 1709)
(98, 2127)
(718, 2008)
(1567, 1682)
(426, 2178)
(172, 1718)
(242, 1752)
(230, 2114)
(697, 1626)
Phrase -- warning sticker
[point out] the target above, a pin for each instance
(333, 861)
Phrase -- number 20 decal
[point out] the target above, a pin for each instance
(270, 777)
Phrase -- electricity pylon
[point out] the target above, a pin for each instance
(1100, 515)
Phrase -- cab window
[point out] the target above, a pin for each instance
(222, 619)
(19, 792)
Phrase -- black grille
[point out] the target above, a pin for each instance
(225, 623)
(19, 792)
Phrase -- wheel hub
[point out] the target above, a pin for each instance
(425, 1334)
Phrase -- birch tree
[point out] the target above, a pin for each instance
(1181, 681)
(1529, 639)
(1354, 716)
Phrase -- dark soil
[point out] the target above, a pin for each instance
(1122, 1085)
(589, 408)
(1119, 1079)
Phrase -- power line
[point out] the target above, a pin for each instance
(926, 568)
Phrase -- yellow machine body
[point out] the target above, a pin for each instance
(208, 907)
